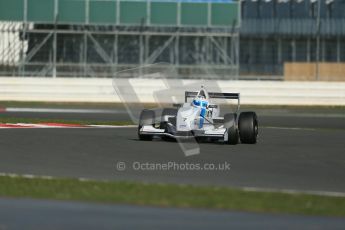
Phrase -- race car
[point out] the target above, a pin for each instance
(200, 119)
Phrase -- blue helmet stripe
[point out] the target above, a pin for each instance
(202, 115)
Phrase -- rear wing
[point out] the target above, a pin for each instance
(231, 96)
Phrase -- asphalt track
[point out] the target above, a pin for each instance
(296, 151)
(76, 215)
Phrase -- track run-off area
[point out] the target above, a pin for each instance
(296, 151)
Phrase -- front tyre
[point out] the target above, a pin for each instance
(248, 127)
(231, 129)
(147, 117)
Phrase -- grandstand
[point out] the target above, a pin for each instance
(95, 38)
(223, 39)
(275, 32)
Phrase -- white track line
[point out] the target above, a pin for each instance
(296, 114)
(55, 110)
(67, 126)
(113, 126)
(294, 191)
(288, 128)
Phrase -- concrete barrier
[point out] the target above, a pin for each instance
(148, 90)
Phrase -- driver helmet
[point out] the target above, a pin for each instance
(200, 101)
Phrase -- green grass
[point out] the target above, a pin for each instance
(169, 195)
(64, 121)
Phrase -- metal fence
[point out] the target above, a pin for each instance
(82, 38)
(266, 44)
(275, 32)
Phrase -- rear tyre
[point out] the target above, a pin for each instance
(248, 127)
(231, 128)
(147, 117)
(164, 124)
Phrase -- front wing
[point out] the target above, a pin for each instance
(214, 133)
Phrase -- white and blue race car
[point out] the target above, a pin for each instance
(200, 119)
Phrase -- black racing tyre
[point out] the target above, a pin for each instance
(231, 127)
(164, 124)
(147, 117)
(249, 127)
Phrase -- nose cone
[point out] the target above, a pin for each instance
(185, 118)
